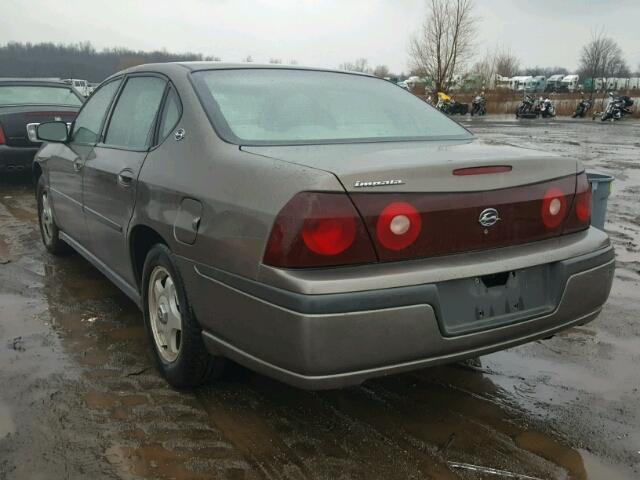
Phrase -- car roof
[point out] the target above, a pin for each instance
(176, 67)
(34, 81)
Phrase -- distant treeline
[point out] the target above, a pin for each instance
(77, 61)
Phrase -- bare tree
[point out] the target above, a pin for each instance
(545, 71)
(618, 67)
(602, 58)
(444, 44)
(485, 68)
(381, 71)
(360, 65)
(275, 61)
(507, 64)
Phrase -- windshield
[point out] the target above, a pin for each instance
(279, 107)
(37, 95)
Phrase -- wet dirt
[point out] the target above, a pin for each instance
(80, 398)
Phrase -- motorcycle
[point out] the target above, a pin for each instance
(479, 105)
(546, 109)
(528, 108)
(448, 105)
(618, 107)
(583, 107)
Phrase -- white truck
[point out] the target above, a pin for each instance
(82, 86)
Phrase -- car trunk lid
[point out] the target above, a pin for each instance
(423, 166)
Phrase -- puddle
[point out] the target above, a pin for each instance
(598, 470)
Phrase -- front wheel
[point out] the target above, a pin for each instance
(172, 328)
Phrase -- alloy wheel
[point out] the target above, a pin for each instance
(46, 217)
(164, 313)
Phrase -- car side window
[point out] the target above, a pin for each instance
(133, 117)
(86, 128)
(170, 115)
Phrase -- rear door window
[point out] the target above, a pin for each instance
(134, 115)
(170, 115)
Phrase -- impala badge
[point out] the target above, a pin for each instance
(489, 217)
(377, 183)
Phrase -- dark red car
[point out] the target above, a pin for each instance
(30, 102)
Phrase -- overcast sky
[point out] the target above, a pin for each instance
(319, 33)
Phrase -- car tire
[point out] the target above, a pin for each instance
(49, 231)
(174, 332)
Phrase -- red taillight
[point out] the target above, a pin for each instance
(3, 139)
(554, 208)
(329, 236)
(580, 216)
(399, 225)
(318, 229)
(583, 199)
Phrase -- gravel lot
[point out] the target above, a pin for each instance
(80, 399)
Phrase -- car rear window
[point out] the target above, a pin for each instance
(37, 95)
(281, 107)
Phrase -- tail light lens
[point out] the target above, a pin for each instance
(3, 139)
(583, 199)
(329, 236)
(318, 229)
(398, 225)
(580, 216)
(554, 207)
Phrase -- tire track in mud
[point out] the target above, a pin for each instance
(303, 435)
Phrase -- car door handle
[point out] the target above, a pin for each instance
(77, 165)
(125, 178)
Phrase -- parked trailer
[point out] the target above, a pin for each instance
(539, 83)
(554, 82)
(569, 83)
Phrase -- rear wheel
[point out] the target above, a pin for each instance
(172, 328)
(48, 229)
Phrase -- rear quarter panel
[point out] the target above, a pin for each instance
(240, 192)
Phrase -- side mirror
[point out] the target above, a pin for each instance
(52, 132)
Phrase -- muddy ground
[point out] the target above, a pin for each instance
(80, 399)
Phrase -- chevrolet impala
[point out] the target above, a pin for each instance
(319, 227)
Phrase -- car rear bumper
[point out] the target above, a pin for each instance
(336, 340)
(16, 159)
